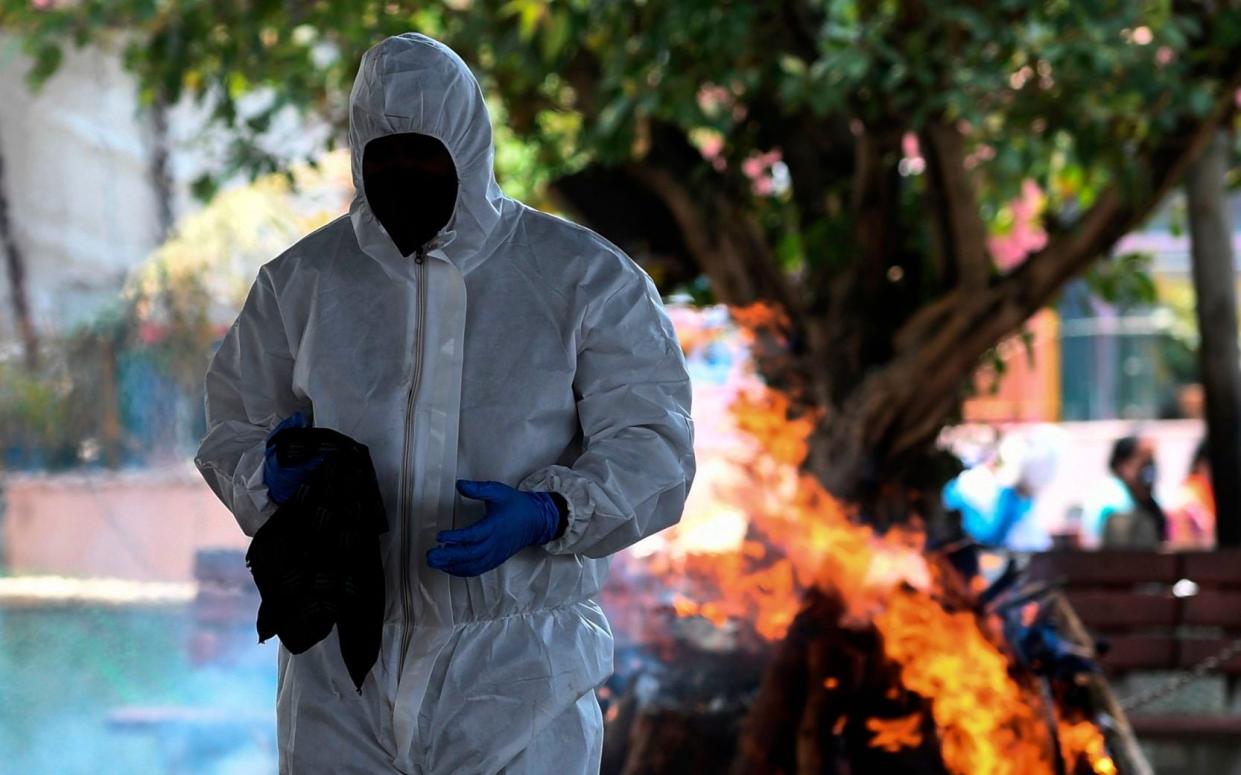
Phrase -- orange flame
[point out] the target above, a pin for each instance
(791, 535)
(1083, 739)
(759, 316)
(986, 722)
(894, 734)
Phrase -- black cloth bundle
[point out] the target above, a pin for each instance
(317, 561)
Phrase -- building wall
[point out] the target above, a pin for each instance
(77, 163)
(1029, 389)
(141, 524)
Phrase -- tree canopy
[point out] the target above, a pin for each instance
(906, 181)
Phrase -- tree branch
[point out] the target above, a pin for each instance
(16, 264)
(901, 407)
(726, 242)
(957, 223)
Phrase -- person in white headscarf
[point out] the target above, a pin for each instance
(996, 500)
(526, 405)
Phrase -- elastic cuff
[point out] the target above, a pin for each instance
(259, 506)
(562, 508)
(561, 481)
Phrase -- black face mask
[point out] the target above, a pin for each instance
(411, 186)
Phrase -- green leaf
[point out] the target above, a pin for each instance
(204, 187)
(613, 115)
(47, 59)
(789, 251)
(527, 12)
(1201, 101)
(555, 36)
(792, 65)
(1027, 342)
(1124, 281)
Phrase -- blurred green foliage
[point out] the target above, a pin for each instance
(157, 334)
(47, 414)
(1124, 280)
(1056, 91)
(1071, 95)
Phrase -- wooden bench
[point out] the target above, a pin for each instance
(1126, 600)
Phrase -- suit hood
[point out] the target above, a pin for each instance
(413, 83)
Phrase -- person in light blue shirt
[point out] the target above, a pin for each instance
(989, 522)
(1109, 497)
(996, 502)
(1122, 511)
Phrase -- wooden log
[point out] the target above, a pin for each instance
(675, 740)
(810, 714)
(617, 728)
(681, 712)
(1121, 741)
(769, 736)
(822, 687)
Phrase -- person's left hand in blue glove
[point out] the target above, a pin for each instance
(282, 481)
(514, 520)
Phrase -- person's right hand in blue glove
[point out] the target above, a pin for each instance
(282, 481)
(514, 520)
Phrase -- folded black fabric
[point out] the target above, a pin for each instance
(317, 561)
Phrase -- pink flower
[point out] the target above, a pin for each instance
(759, 163)
(711, 96)
(1164, 56)
(757, 168)
(711, 149)
(1026, 235)
(979, 155)
(909, 144)
(149, 332)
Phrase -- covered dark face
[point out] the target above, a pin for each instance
(411, 186)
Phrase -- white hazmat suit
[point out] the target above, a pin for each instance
(516, 347)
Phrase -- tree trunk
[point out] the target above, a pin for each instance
(821, 689)
(885, 365)
(1215, 286)
(111, 431)
(161, 177)
(16, 265)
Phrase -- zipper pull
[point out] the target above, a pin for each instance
(418, 256)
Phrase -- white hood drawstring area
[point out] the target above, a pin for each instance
(413, 83)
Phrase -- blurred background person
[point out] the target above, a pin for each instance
(996, 498)
(1122, 511)
(1191, 512)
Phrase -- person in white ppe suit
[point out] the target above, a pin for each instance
(460, 335)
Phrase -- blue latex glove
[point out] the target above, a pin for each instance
(282, 482)
(514, 520)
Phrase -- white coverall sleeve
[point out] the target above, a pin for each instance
(248, 391)
(633, 403)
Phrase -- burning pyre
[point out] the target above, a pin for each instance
(972, 665)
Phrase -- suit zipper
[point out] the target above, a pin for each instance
(406, 473)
